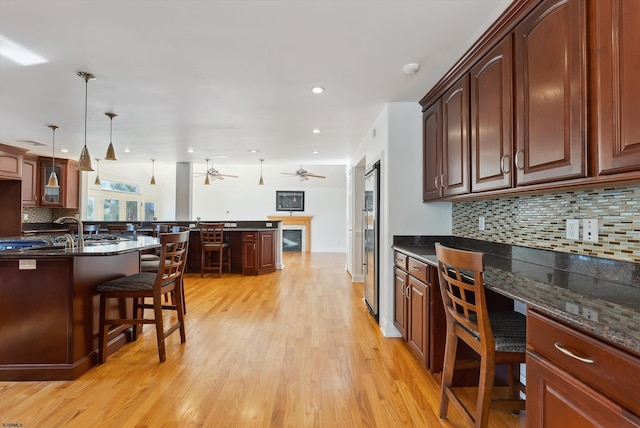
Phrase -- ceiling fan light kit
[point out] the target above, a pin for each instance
(213, 174)
(303, 174)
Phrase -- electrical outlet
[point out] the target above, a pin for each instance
(481, 223)
(590, 314)
(572, 308)
(25, 216)
(590, 230)
(573, 229)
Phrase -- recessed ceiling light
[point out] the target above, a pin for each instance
(316, 131)
(127, 150)
(64, 150)
(315, 152)
(317, 89)
(253, 151)
(16, 53)
(190, 151)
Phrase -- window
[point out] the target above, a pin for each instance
(132, 211)
(111, 210)
(91, 215)
(150, 211)
(115, 186)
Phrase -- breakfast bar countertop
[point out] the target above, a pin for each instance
(134, 243)
(599, 296)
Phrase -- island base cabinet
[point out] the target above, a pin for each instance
(49, 314)
(258, 252)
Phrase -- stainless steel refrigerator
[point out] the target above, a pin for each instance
(371, 238)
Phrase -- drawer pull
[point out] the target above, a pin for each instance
(416, 268)
(560, 347)
(399, 260)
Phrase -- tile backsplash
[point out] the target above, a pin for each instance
(539, 221)
(45, 214)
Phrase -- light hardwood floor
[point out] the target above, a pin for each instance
(296, 348)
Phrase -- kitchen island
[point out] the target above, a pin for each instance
(49, 307)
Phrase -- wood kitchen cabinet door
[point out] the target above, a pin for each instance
(550, 49)
(432, 152)
(401, 300)
(29, 182)
(455, 139)
(267, 251)
(418, 318)
(616, 87)
(492, 119)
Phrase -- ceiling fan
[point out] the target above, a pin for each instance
(214, 174)
(303, 174)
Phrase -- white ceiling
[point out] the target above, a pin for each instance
(224, 77)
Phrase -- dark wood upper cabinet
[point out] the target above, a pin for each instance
(29, 181)
(431, 155)
(551, 92)
(455, 139)
(492, 119)
(11, 162)
(615, 86)
(68, 194)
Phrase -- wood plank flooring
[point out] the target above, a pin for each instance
(296, 348)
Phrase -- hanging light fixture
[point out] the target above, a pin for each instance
(97, 182)
(53, 178)
(111, 154)
(261, 182)
(206, 180)
(84, 164)
(153, 172)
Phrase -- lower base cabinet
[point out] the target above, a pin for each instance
(569, 379)
(258, 252)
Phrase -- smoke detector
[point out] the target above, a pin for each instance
(411, 68)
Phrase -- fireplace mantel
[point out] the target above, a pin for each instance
(296, 220)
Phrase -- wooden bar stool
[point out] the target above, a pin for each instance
(122, 229)
(214, 251)
(498, 338)
(167, 279)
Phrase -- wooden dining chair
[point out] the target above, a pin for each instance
(214, 252)
(122, 229)
(497, 338)
(87, 229)
(167, 279)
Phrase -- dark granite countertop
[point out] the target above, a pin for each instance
(137, 243)
(599, 296)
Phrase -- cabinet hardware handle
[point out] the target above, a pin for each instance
(435, 181)
(406, 289)
(442, 181)
(560, 347)
(398, 260)
(415, 268)
(504, 164)
(516, 159)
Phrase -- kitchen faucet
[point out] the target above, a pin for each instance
(80, 228)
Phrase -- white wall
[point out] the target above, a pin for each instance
(243, 199)
(398, 145)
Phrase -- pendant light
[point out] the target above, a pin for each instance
(84, 163)
(261, 182)
(97, 182)
(153, 172)
(206, 180)
(53, 178)
(111, 154)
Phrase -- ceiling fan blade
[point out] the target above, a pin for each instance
(288, 173)
(226, 175)
(314, 175)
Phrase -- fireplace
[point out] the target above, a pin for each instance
(292, 240)
(296, 223)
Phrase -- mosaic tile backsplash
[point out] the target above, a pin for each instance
(45, 214)
(538, 221)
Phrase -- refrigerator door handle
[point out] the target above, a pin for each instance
(364, 238)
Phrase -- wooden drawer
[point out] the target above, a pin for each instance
(599, 365)
(418, 270)
(400, 260)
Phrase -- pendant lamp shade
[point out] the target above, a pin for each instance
(53, 178)
(153, 172)
(84, 163)
(261, 182)
(206, 180)
(97, 182)
(111, 153)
